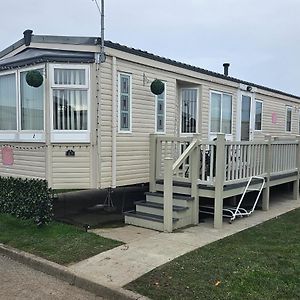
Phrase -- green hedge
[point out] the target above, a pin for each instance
(26, 199)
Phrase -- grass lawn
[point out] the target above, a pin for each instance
(61, 243)
(260, 263)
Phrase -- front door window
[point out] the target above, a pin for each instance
(246, 118)
(189, 97)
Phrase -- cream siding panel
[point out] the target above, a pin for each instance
(278, 106)
(105, 126)
(133, 148)
(29, 162)
(71, 172)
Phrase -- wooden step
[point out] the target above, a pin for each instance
(178, 199)
(178, 187)
(159, 205)
(145, 220)
(154, 208)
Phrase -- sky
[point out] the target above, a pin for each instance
(260, 39)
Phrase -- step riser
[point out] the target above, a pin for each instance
(160, 200)
(156, 225)
(144, 223)
(160, 212)
(176, 189)
(183, 223)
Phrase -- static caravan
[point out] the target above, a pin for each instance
(98, 125)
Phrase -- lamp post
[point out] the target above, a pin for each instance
(101, 57)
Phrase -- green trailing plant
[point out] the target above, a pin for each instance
(157, 87)
(34, 78)
(26, 199)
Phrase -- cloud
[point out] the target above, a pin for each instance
(258, 38)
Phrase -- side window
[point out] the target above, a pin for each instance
(70, 98)
(288, 125)
(124, 103)
(160, 112)
(258, 114)
(189, 98)
(32, 105)
(8, 102)
(299, 121)
(220, 112)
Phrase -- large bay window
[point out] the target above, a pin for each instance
(220, 112)
(189, 99)
(22, 107)
(70, 103)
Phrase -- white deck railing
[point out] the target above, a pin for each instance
(217, 164)
(242, 160)
(284, 157)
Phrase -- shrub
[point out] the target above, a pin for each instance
(26, 199)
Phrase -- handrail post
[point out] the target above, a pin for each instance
(296, 182)
(158, 156)
(168, 194)
(195, 167)
(268, 166)
(152, 162)
(219, 183)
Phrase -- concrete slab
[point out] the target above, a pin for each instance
(147, 249)
(126, 234)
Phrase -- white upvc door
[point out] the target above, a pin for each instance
(246, 116)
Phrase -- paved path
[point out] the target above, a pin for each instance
(19, 282)
(147, 249)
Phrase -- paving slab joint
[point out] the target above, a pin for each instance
(65, 274)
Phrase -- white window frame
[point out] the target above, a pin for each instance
(31, 135)
(213, 134)
(197, 111)
(78, 136)
(119, 103)
(10, 133)
(20, 135)
(298, 121)
(165, 111)
(287, 108)
(262, 111)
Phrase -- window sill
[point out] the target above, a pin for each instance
(124, 132)
(28, 137)
(70, 136)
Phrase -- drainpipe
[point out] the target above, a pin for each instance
(114, 124)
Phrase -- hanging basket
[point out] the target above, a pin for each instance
(34, 78)
(157, 87)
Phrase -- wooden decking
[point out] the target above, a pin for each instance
(219, 169)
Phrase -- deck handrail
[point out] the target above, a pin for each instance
(170, 138)
(185, 154)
